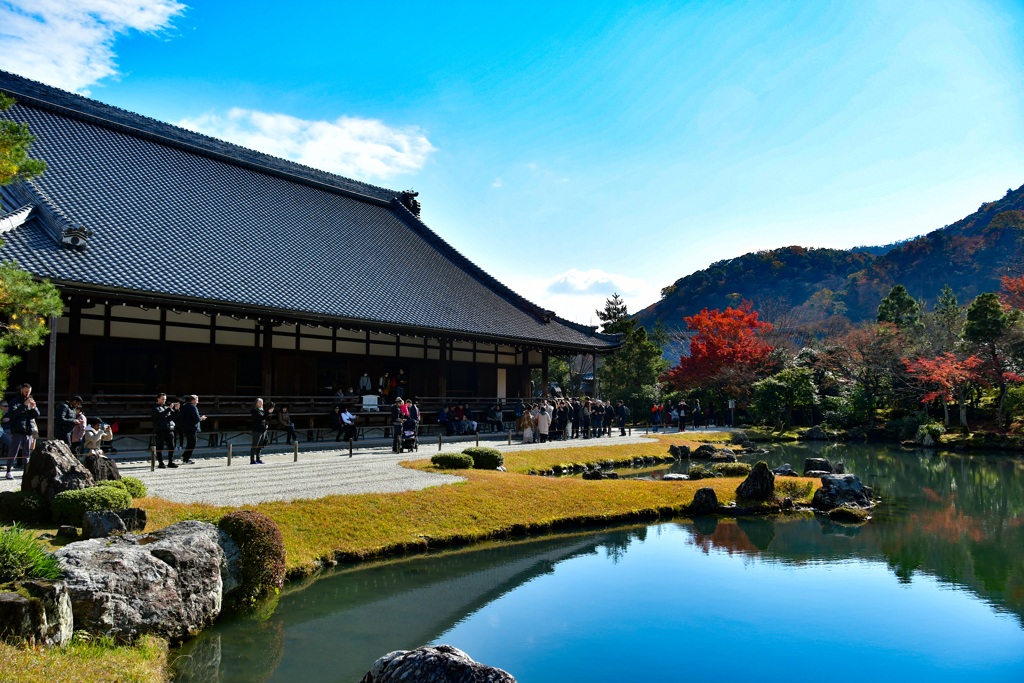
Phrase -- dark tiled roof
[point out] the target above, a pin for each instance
(178, 214)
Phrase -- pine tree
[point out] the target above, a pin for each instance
(614, 316)
(987, 325)
(15, 140)
(900, 309)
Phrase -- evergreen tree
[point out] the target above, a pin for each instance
(900, 309)
(614, 316)
(631, 372)
(15, 140)
(987, 326)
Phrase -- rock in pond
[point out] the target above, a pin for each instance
(52, 469)
(740, 439)
(101, 467)
(847, 514)
(440, 664)
(675, 477)
(101, 523)
(817, 465)
(705, 502)
(785, 470)
(724, 455)
(679, 452)
(703, 452)
(839, 490)
(815, 433)
(759, 484)
(170, 582)
(928, 442)
(36, 610)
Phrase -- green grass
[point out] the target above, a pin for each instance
(22, 557)
(98, 661)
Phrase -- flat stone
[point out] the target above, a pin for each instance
(675, 477)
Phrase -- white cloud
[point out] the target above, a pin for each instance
(70, 43)
(498, 182)
(349, 146)
(575, 294)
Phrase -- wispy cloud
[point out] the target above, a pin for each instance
(576, 294)
(588, 282)
(350, 146)
(498, 182)
(70, 43)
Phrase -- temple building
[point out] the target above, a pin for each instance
(194, 265)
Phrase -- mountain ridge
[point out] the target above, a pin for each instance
(967, 255)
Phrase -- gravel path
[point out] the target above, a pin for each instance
(318, 473)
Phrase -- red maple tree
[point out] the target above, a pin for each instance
(946, 377)
(725, 349)
(1013, 291)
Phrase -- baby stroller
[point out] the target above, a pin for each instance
(409, 442)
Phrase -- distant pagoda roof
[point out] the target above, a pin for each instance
(134, 205)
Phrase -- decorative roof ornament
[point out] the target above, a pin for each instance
(15, 218)
(409, 201)
(75, 236)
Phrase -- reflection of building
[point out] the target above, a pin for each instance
(191, 264)
(336, 627)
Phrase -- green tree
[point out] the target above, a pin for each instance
(614, 316)
(900, 309)
(15, 139)
(988, 325)
(25, 304)
(946, 324)
(776, 397)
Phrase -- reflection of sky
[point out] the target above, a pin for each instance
(668, 611)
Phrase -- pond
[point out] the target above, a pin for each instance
(931, 589)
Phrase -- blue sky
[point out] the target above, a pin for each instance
(575, 148)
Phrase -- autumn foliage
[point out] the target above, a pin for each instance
(725, 343)
(945, 375)
(1013, 291)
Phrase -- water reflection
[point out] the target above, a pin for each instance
(955, 518)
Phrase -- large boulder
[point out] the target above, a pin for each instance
(101, 467)
(36, 610)
(839, 490)
(101, 523)
(759, 484)
(703, 452)
(169, 582)
(52, 469)
(817, 465)
(440, 664)
(815, 433)
(740, 439)
(705, 501)
(134, 519)
(724, 455)
(679, 452)
(785, 470)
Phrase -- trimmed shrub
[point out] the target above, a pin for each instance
(25, 506)
(21, 557)
(698, 471)
(262, 546)
(69, 507)
(135, 487)
(117, 484)
(452, 461)
(731, 469)
(786, 487)
(932, 429)
(485, 458)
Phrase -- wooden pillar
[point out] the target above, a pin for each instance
(268, 361)
(442, 380)
(544, 374)
(74, 351)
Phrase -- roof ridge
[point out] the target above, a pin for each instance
(41, 95)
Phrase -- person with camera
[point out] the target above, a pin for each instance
(95, 434)
(190, 424)
(22, 421)
(164, 415)
(64, 422)
(259, 431)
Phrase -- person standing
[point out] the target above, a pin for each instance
(5, 425)
(577, 417)
(22, 421)
(622, 413)
(64, 421)
(655, 417)
(259, 431)
(543, 424)
(396, 421)
(597, 419)
(190, 424)
(163, 429)
(384, 387)
(585, 422)
(78, 431)
(365, 385)
(519, 410)
(609, 418)
(682, 416)
(696, 413)
(401, 383)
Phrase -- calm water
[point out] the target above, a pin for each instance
(932, 589)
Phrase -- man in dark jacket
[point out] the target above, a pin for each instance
(23, 414)
(259, 431)
(189, 423)
(609, 418)
(622, 413)
(64, 421)
(577, 418)
(164, 415)
(396, 421)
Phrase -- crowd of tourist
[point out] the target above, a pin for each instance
(680, 414)
(565, 419)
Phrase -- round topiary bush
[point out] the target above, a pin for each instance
(135, 487)
(68, 507)
(485, 458)
(452, 461)
(262, 546)
(117, 484)
(732, 469)
(25, 506)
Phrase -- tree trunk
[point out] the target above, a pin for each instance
(961, 398)
(1002, 401)
(945, 410)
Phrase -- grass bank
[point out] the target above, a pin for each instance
(96, 662)
(521, 462)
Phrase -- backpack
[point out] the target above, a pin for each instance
(627, 410)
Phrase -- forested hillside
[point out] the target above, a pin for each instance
(969, 255)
